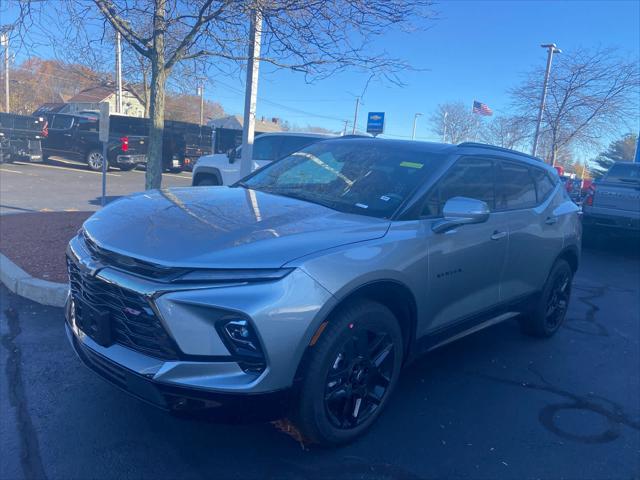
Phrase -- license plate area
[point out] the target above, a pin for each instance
(96, 324)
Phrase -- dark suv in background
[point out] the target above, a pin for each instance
(21, 137)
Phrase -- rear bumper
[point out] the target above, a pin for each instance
(131, 159)
(613, 222)
(222, 406)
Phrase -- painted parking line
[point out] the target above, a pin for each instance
(66, 169)
(10, 171)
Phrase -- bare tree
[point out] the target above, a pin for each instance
(591, 95)
(507, 131)
(317, 38)
(454, 122)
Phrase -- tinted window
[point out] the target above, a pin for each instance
(469, 177)
(265, 148)
(62, 122)
(88, 125)
(629, 172)
(290, 144)
(361, 177)
(515, 187)
(544, 184)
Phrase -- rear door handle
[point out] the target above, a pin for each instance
(498, 235)
(551, 220)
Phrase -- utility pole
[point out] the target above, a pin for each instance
(444, 127)
(118, 74)
(5, 44)
(355, 117)
(344, 130)
(201, 93)
(251, 93)
(415, 121)
(551, 49)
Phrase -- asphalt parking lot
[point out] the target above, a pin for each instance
(61, 185)
(493, 405)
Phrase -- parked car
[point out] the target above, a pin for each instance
(75, 137)
(224, 169)
(308, 285)
(613, 203)
(184, 143)
(20, 137)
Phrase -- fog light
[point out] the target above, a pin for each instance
(242, 341)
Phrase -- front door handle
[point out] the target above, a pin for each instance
(551, 220)
(498, 235)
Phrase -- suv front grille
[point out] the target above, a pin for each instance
(134, 323)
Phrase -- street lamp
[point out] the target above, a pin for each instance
(551, 49)
(415, 120)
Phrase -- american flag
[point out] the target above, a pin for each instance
(482, 109)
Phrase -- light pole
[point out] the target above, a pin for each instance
(444, 127)
(415, 121)
(4, 41)
(200, 91)
(251, 93)
(551, 49)
(118, 75)
(355, 116)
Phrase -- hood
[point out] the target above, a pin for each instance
(224, 227)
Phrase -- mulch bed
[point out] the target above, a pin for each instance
(36, 242)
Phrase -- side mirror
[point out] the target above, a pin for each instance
(461, 211)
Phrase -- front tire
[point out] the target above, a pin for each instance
(549, 313)
(349, 377)
(207, 181)
(95, 160)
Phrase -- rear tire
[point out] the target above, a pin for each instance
(548, 314)
(350, 374)
(94, 160)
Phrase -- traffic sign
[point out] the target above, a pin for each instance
(375, 123)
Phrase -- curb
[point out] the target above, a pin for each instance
(35, 289)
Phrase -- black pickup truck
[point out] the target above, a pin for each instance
(76, 137)
(20, 137)
(183, 144)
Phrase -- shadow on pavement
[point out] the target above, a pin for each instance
(108, 199)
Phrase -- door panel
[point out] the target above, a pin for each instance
(465, 266)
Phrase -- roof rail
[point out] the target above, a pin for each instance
(501, 149)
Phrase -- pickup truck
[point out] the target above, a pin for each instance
(613, 203)
(75, 137)
(20, 137)
(224, 169)
(183, 143)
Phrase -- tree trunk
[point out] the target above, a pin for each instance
(145, 92)
(156, 114)
(153, 177)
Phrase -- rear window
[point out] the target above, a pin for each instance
(129, 125)
(544, 184)
(621, 172)
(515, 187)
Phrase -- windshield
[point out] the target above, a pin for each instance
(366, 177)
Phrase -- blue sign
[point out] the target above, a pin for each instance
(375, 123)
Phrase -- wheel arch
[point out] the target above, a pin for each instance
(571, 255)
(206, 172)
(391, 293)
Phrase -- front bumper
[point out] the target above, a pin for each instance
(284, 314)
(248, 407)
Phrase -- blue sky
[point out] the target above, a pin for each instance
(475, 50)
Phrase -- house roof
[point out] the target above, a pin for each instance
(236, 122)
(98, 94)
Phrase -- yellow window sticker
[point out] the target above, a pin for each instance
(412, 165)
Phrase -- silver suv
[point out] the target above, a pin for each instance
(304, 289)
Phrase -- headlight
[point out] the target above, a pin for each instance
(240, 275)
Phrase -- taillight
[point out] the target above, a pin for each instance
(124, 141)
(592, 193)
